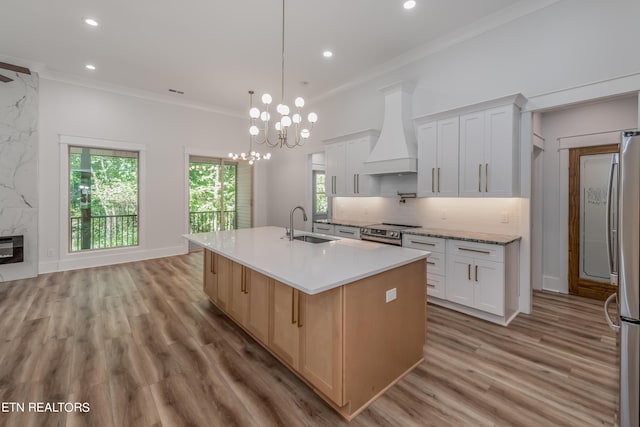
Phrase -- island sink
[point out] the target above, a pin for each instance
(311, 239)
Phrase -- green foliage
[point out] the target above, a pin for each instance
(108, 186)
(208, 183)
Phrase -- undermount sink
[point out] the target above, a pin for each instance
(311, 239)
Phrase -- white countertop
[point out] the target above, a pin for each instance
(309, 267)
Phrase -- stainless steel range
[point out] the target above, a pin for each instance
(384, 233)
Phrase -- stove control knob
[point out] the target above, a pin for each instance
(364, 230)
(394, 234)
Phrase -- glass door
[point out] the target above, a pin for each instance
(212, 194)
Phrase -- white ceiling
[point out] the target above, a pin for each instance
(216, 50)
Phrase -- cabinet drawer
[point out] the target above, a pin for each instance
(476, 250)
(348, 232)
(425, 243)
(323, 228)
(436, 263)
(435, 286)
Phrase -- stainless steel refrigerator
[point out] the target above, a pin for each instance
(623, 224)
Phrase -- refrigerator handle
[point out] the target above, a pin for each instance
(613, 273)
(613, 326)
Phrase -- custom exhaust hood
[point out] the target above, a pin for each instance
(396, 149)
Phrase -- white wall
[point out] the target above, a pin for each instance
(570, 44)
(164, 129)
(567, 124)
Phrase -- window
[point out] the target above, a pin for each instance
(319, 194)
(103, 198)
(219, 194)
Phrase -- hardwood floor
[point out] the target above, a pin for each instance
(141, 343)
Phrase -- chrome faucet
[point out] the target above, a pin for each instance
(304, 217)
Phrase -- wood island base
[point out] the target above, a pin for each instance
(348, 343)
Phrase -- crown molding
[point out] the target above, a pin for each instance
(475, 29)
(56, 76)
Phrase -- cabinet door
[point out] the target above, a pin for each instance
(211, 274)
(237, 301)
(321, 342)
(472, 154)
(499, 151)
(459, 287)
(428, 159)
(348, 232)
(225, 277)
(447, 167)
(336, 169)
(257, 314)
(284, 335)
(358, 184)
(488, 286)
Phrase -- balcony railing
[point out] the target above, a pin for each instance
(207, 221)
(112, 231)
(104, 231)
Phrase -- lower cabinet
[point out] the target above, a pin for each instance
(306, 333)
(476, 283)
(241, 292)
(211, 275)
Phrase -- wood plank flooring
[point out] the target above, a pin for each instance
(141, 343)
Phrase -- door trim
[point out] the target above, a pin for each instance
(577, 286)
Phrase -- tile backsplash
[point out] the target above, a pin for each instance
(493, 215)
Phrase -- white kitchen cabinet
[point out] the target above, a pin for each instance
(476, 276)
(335, 157)
(347, 231)
(322, 228)
(489, 153)
(438, 144)
(344, 158)
(436, 263)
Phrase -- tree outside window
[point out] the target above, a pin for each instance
(103, 198)
(320, 200)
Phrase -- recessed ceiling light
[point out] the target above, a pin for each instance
(327, 54)
(409, 4)
(90, 67)
(90, 21)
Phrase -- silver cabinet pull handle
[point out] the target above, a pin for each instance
(430, 285)
(354, 184)
(293, 315)
(431, 263)
(479, 178)
(469, 271)
(475, 250)
(438, 180)
(476, 273)
(486, 177)
(347, 232)
(422, 243)
(433, 180)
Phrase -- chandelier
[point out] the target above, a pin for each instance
(287, 122)
(252, 156)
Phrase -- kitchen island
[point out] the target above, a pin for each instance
(348, 317)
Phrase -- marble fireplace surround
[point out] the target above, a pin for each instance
(19, 169)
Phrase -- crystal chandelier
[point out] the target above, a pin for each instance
(252, 156)
(285, 137)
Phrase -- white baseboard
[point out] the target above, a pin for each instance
(554, 284)
(102, 259)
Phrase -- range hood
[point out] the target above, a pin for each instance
(396, 149)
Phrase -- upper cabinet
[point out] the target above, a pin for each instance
(490, 153)
(438, 158)
(472, 151)
(344, 158)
